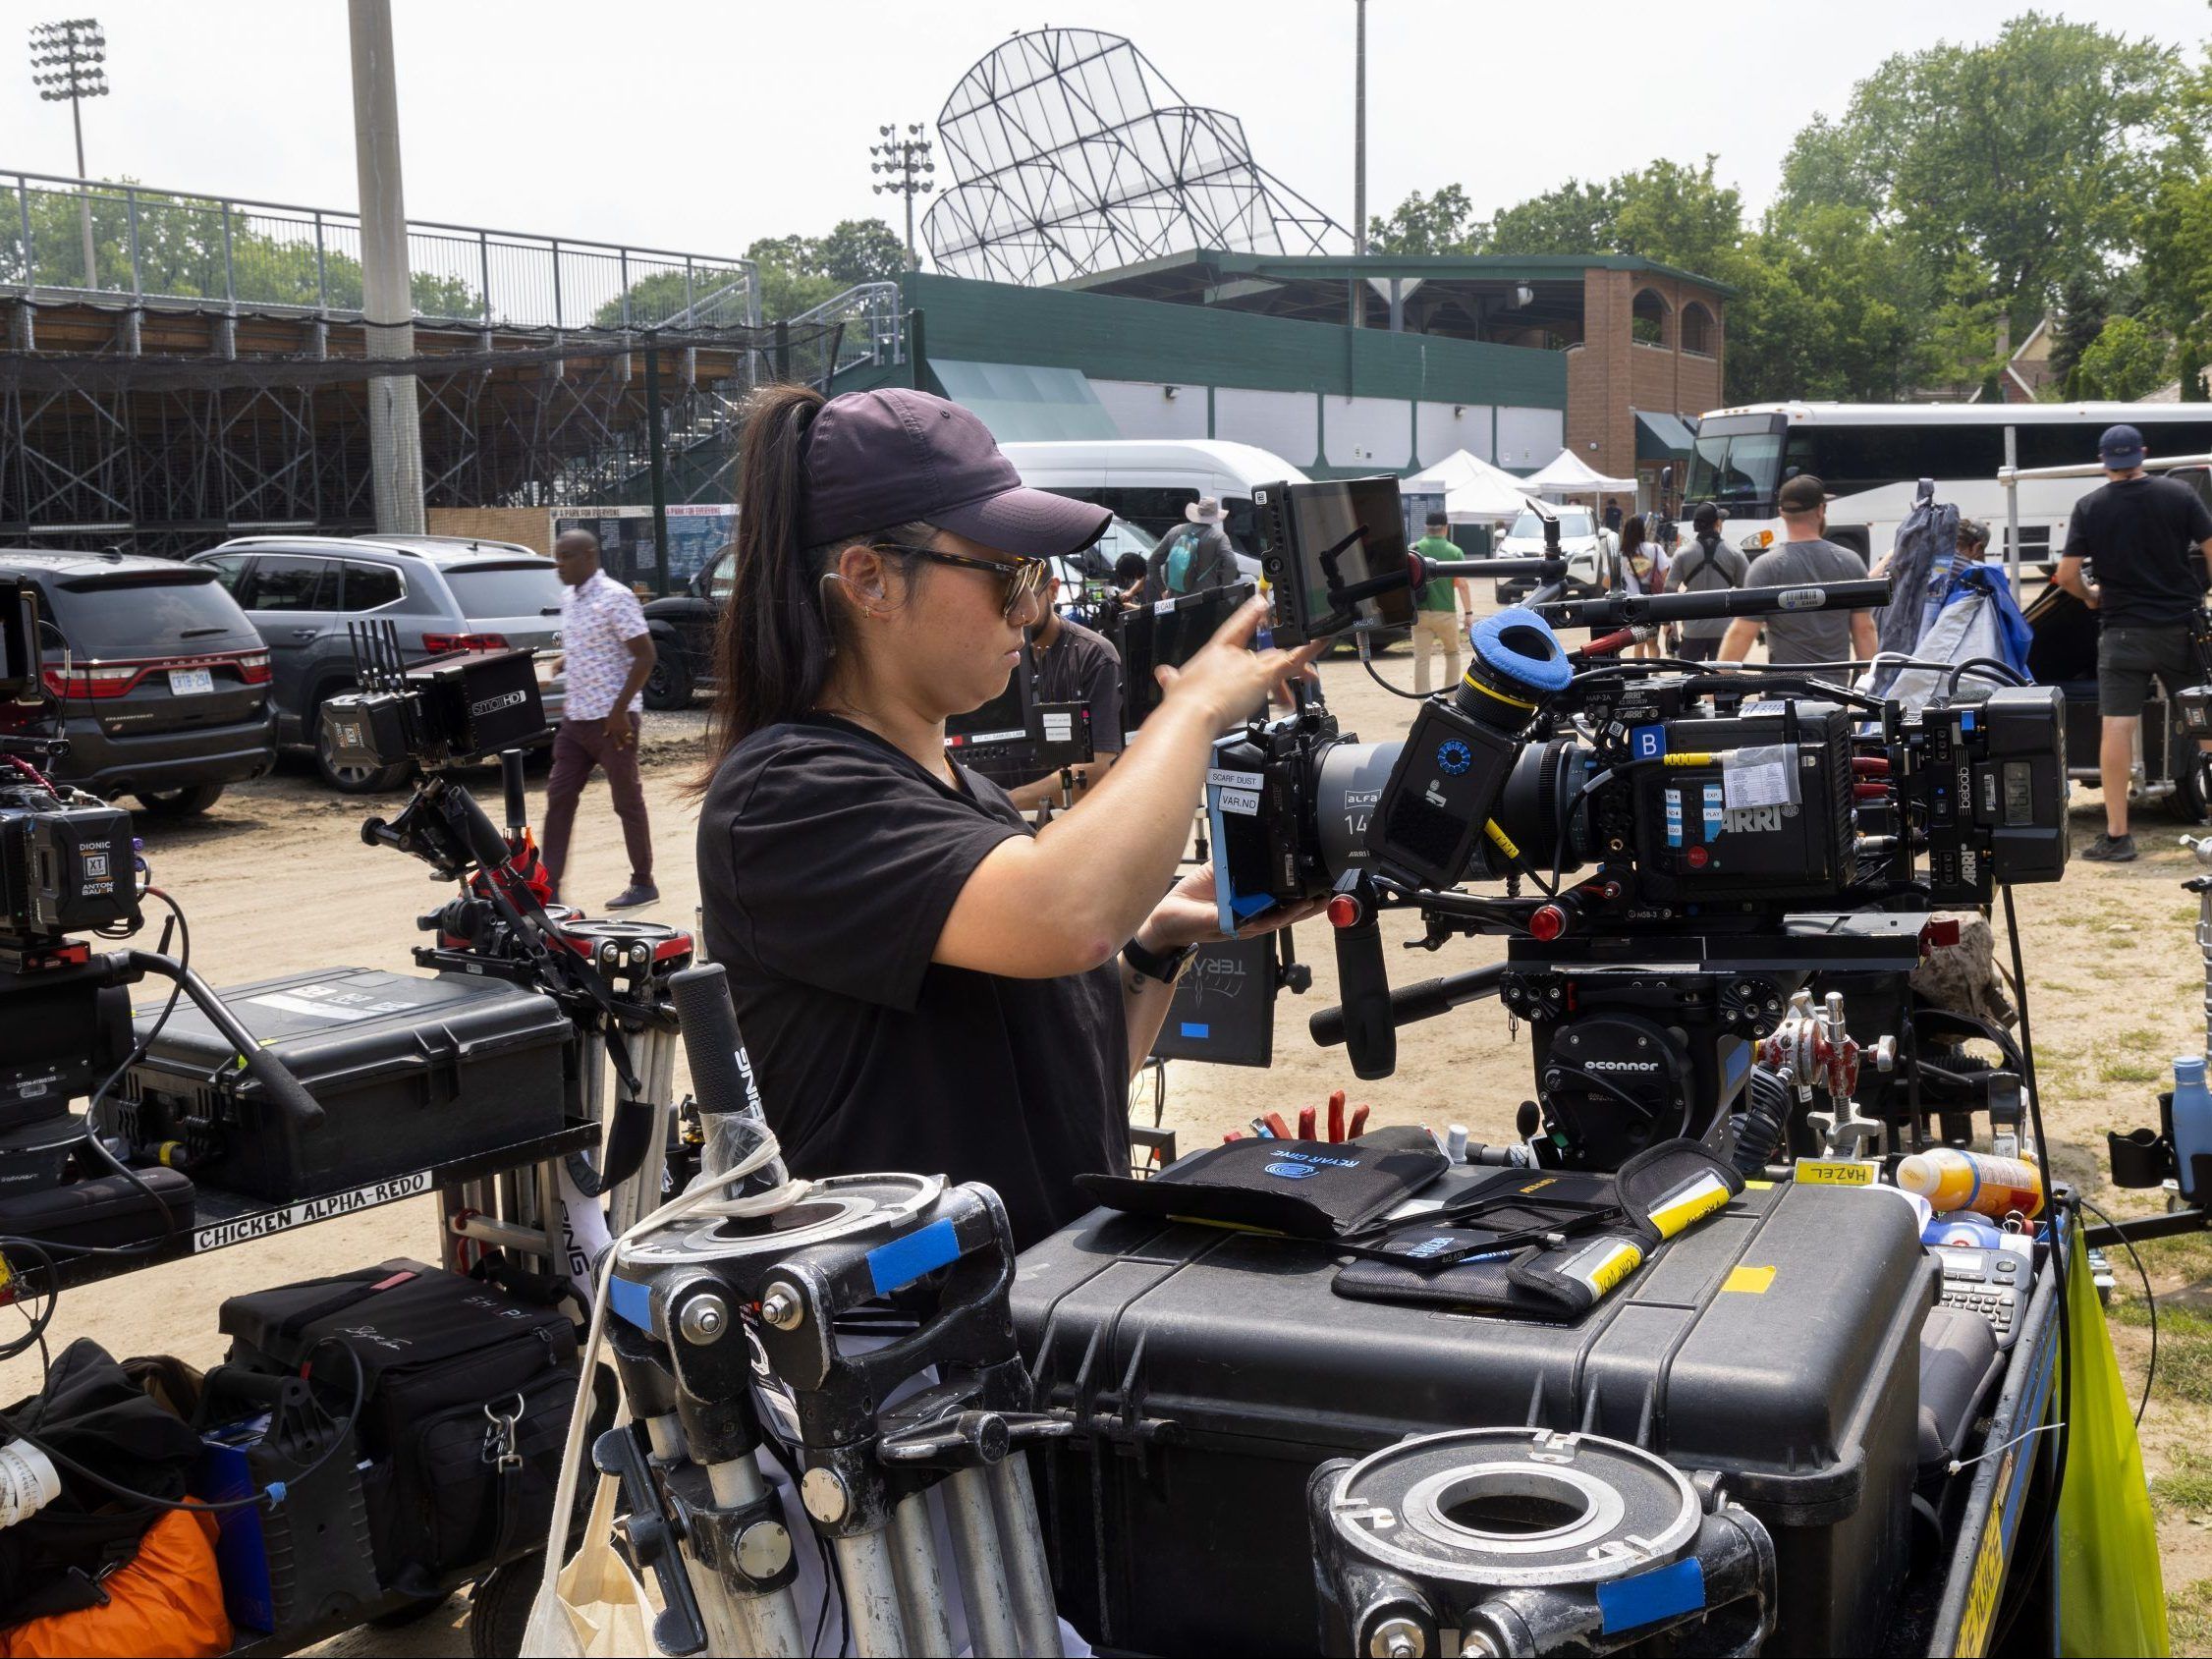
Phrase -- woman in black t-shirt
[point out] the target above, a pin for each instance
(923, 983)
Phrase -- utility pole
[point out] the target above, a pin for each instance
(395, 420)
(1357, 299)
(66, 61)
(906, 159)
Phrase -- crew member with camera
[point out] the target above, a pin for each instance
(1074, 664)
(923, 982)
(2143, 535)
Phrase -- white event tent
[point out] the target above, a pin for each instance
(1569, 473)
(1474, 492)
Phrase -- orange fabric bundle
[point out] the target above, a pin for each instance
(167, 1603)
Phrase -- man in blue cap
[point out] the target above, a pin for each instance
(2149, 542)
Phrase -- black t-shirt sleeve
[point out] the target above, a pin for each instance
(2199, 519)
(1102, 690)
(845, 866)
(2077, 532)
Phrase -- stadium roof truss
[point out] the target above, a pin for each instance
(1071, 153)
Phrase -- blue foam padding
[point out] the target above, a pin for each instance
(1549, 673)
(1625, 1603)
(632, 1302)
(903, 1260)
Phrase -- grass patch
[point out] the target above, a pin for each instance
(2188, 1485)
(2188, 1617)
(2184, 1354)
(2141, 1036)
(2130, 1071)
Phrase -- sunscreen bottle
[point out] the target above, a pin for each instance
(1953, 1180)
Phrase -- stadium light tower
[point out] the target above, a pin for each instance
(66, 59)
(907, 160)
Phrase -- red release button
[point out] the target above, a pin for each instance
(1344, 911)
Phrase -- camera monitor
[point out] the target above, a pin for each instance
(1167, 633)
(1356, 524)
(1002, 729)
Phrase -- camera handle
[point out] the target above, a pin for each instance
(1362, 980)
(128, 968)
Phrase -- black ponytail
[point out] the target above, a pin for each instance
(778, 630)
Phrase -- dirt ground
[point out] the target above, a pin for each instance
(275, 879)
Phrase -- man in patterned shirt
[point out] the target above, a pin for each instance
(607, 653)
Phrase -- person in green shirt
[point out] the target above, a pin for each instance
(1444, 605)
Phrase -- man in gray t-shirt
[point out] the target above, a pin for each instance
(1804, 559)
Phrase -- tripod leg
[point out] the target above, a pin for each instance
(871, 1594)
(771, 1620)
(972, 1519)
(1036, 1622)
(921, 1583)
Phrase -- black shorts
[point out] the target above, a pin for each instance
(1706, 650)
(2128, 658)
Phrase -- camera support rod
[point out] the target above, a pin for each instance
(1616, 610)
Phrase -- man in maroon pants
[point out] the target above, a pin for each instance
(607, 654)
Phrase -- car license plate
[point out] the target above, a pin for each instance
(189, 681)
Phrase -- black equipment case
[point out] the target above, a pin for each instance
(467, 1395)
(1778, 1342)
(410, 1071)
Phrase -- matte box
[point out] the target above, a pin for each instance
(1778, 1342)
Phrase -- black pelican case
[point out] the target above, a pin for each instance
(1777, 1342)
(411, 1070)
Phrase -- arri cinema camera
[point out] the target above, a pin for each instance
(1678, 848)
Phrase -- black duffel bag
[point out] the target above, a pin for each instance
(465, 1409)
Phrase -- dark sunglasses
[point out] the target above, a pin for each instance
(1022, 580)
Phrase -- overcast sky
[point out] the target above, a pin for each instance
(700, 125)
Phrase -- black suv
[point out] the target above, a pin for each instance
(163, 683)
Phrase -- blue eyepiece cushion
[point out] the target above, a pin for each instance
(1519, 645)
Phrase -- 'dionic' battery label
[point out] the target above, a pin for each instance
(1674, 817)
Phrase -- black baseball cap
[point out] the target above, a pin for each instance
(2120, 447)
(1708, 516)
(877, 458)
(1804, 493)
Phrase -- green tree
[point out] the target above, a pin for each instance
(2175, 229)
(1443, 223)
(2126, 360)
(2027, 154)
(861, 250)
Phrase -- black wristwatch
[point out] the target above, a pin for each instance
(1151, 965)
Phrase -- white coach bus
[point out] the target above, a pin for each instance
(1872, 457)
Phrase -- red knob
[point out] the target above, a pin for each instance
(1344, 911)
(1548, 924)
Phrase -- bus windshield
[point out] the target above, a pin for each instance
(1737, 459)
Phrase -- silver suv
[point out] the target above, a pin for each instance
(443, 593)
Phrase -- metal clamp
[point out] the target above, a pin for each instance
(500, 1448)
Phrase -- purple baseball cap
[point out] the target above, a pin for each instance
(878, 459)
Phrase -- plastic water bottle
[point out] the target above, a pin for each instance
(2192, 1120)
(1951, 1179)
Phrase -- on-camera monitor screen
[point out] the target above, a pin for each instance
(1323, 516)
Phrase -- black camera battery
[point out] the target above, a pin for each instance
(411, 1070)
(1778, 1343)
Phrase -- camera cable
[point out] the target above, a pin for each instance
(2151, 1301)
